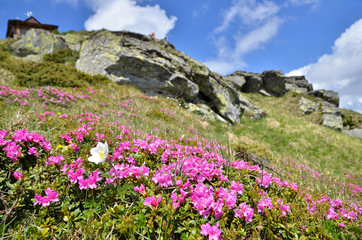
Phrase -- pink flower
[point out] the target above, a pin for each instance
(152, 201)
(91, 182)
(293, 186)
(341, 225)
(332, 214)
(352, 214)
(140, 189)
(284, 209)
(18, 175)
(265, 203)
(236, 186)
(51, 196)
(212, 231)
(244, 211)
(265, 179)
(32, 151)
(54, 160)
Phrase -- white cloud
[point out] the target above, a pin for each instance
(119, 15)
(341, 70)
(254, 39)
(257, 23)
(250, 12)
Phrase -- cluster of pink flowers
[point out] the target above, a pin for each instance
(265, 203)
(75, 174)
(202, 198)
(176, 201)
(212, 231)
(91, 182)
(265, 179)
(18, 175)
(79, 134)
(120, 171)
(336, 208)
(152, 201)
(21, 137)
(63, 115)
(51, 196)
(244, 211)
(284, 208)
(347, 189)
(54, 160)
(140, 189)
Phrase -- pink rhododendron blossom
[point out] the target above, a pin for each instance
(212, 231)
(51, 196)
(352, 215)
(236, 186)
(54, 160)
(264, 180)
(202, 199)
(91, 182)
(265, 203)
(18, 175)
(140, 189)
(341, 225)
(294, 186)
(32, 151)
(244, 211)
(152, 201)
(336, 203)
(332, 214)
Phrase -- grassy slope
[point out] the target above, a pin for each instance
(283, 133)
(287, 133)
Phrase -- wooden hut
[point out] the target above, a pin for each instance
(18, 28)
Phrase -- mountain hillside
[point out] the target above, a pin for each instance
(202, 156)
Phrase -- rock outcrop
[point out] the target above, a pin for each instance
(298, 84)
(156, 67)
(269, 83)
(328, 95)
(331, 115)
(38, 41)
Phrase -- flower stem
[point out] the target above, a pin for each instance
(115, 172)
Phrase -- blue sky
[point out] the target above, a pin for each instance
(321, 39)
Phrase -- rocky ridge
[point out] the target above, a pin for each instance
(157, 68)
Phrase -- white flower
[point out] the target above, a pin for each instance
(99, 153)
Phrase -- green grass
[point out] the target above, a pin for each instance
(287, 133)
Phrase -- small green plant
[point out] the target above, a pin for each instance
(66, 56)
(351, 119)
(5, 44)
(50, 73)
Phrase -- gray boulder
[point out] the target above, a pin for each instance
(328, 95)
(38, 41)
(204, 111)
(298, 84)
(273, 82)
(354, 132)
(308, 106)
(236, 80)
(179, 86)
(74, 40)
(253, 84)
(328, 108)
(156, 67)
(332, 121)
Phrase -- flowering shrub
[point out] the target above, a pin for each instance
(102, 172)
